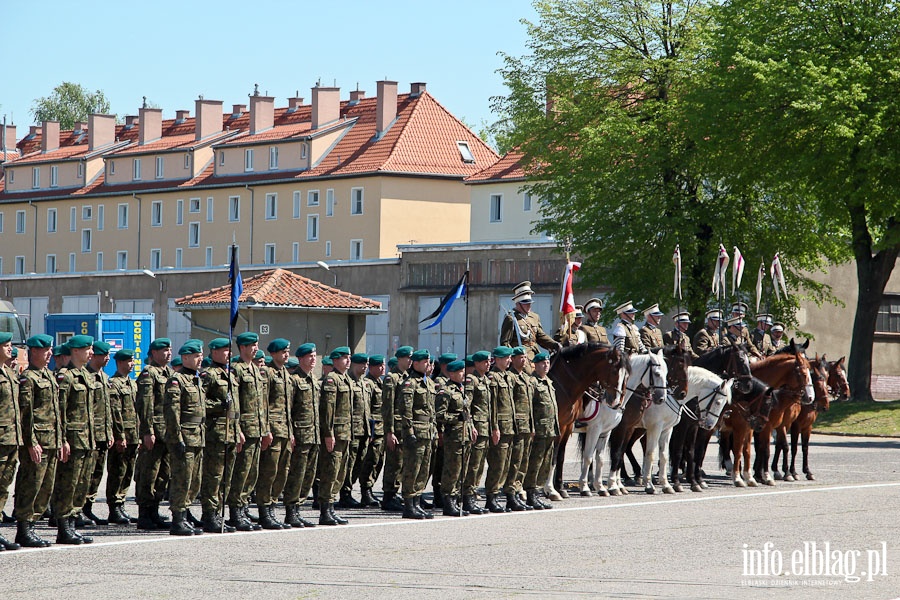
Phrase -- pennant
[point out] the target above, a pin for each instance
(737, 270)
(458, 291)
(759, 283)
(567, 298)
(237, 285)
(778, 277)
(720, 271)
(676, 258)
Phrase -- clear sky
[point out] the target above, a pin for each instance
(174, 50)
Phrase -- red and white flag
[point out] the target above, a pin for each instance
(778, 277)
(737, 270)
(567, 302)
(720, 271)
(676, 258)
(759, 283)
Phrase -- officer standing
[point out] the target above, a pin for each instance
(651, 334)
(103, 428)
(546, 432)
(626, 337)
(678, 335)
(454, 422)
(479, 391)
(522, 327)
(306, 435)
(393, 430)
(335, 415)
(185, 413)
(520, 446)
(708, 338)
(359, 426)
(120, 460)
(374, 458)
(416, 400)
(11, 429)
(274, 461)
(503, 427)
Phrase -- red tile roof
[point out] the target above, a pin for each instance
(510, 167)
(282, 288)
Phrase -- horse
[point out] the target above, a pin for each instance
(573, 370)
(748, 413)
(647, 382)
(837, 380)
(659, 419)
(593, 444)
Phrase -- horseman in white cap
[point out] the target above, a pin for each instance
(777, 336)
(760, 335)
(708, 338)
(739, 309)
(651, 334)
(626, 337)
(575, 335)
(594, 332)
(521, 327)
(678, 335)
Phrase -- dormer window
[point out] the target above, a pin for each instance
(465, 152)
(303, 151)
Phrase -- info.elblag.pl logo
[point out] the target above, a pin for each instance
(826, 563)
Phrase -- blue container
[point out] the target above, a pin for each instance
(131, 331)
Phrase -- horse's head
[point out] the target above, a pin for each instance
(755, 397)
(837, 380)
(818, 370)
(711, 408)
(656, 377)
(678, 359)
(738, 364)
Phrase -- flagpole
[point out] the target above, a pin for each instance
(466, 299)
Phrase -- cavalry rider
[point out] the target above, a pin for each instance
(651, 334)
(626, 337)
(679, 335)
(594, 332)
(739, 309)
(777, 336)
(575, 335)
(521, 327)
(760, 335)
(708, 338)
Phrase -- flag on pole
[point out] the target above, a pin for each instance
(676, 258)
(778, 276)
(567, 298)
(237, 285)
(720, 271)
(737, 270)
(759, 283)
(459, 290)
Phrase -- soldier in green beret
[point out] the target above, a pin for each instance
(76, 408)
(374, 458)
(416, 401)
(185, 413)
(275, 460)
(61, 357)
(335, 414)
(520, 446)
(120, 460)
(479, 390)
(359, 425)
(393, 429)
(546, 432)
(304, 400)
(327, 366)
(10, 425)
(441, 379)
(42, 440)
(454, 422)
(103, 431)
(151, 469)
(503, 428)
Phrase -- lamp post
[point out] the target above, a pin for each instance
(325, 266)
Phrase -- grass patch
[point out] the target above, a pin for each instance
(860, 418)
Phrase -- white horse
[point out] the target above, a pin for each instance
(659, 420)
(600, 419)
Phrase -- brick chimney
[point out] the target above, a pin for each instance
(182, 115)
(262, 113)
(294, 103)
(131, 121)
(356, 96)
(49, 136)
(150, 125)
(10, 139)
(326, 105)
(209, 118)
(102, 131)
(385, 107)
(237, 110)
(416, 89)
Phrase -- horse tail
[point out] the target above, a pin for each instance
(581, 439)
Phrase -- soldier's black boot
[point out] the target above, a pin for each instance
(179, 525)
(424, 508)
(66, 535)
(145, 519)
(438, 496)
(411, 509)
(271, 509)
(237, 520)
(470, 506)
(544, 504)
(81, 520)
(161, 521)
(88, 511)
(212, 523)
(533, 501)
(391, 503)
(340, 520)
(513, 504)
(193, 522)
(26, 537)
(266, 520)
(325, 516)
(253, 520)
(8, 520)
(348, 501)
(117, 515)
(292, 516)
(451, 508)
(84, 538)
(425, 504)
(491, 504)
(315, 495)
(368, 499)
(8, 545)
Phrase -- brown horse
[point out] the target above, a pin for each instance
(804, 418)
(573, 371)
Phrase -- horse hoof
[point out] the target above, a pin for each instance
(677, 487)
(777, 475)
(769, 482)
(752, 482)
(704, 485)
(739, 483)
(668, 490)
(789, 477)
(795, 476)
(650, 490)
(625, 492)
(586, 493)
(810, 476)
(696, 487)
(603, 492)
(563, 494)
(615, 492)
(554, 496)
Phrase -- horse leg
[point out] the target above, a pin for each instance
(747, 446)
(589, 443)
(652, 438)
(763, 441)
(615, 461)
(725, 443)
(775, 455)
(676, 451)
(664, 440)
(795, 433)
(737, 450)
(551, 487)
(602, 446)
(701, 445)
(805, 433)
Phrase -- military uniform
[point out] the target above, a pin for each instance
(103, 434)
(546, 431)
(651, 336)
(390, 414)
(520, 447)
(151, 468)
(705, 340)
(416, 401)
(254, 424)
(307, 438)
(335, 421)
(529, 330)
(10, 432)
(185, 415)
(762, 341)
(676, 337)
(479, 391)
(356, 451)
(594, 333)
(274, 461)
(502, 420)
(76, 405)
(374, 459)
(223, 430)
(121, 457)
(454, 421)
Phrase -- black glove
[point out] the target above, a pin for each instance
(181, 449)
(410, 441)
(226, 401)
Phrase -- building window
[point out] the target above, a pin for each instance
(136, 174)
(1, 265)
(73, 263)
(270, 254)
(51, 220)
(327, 249)
(1, 222)
(194, 205)
(209, 209)
(273, 157)
(526, 202)
(496, 208)
(295, 252)
(73, 219)
(12, 176)
(123, 216)
(234, 208)
(209, 256)
(179, 212)
(888, 314)
(36, 177)
(112, 167)
(221, 159)
(296, 205)
(329, 203)
(122, 260)
(179, 254)
(312, 228)
(101, 217)
(356, 201)
(85, 240)
(20, 221)
(99, 261)
(51, 263)
(159, 167)
(80, 169)
(356, 249)
(465, 152)
(20, 265)
(54, 176)
(312, 198)
(303, 151)
(156, 213)
(194, 235)
(271, 206)
(248, 159)
(155, 258)
(187, 161)
(87, 213)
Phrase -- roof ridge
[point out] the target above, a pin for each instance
(459, 121)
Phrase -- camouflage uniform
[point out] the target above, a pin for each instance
(255, 425)
(185, 413)
(356, 451)
(274, 461)
(478, 389)
(10, 429)
(103, 431)
(415, 399)
(454, 421)
(374, 458)
(222, 433)
(152, 469)
(502, 419)
(546, 430)
(520, 447)
(120, 463)
(305, 426)
(76, 406)
(390, 414)
(335, 418)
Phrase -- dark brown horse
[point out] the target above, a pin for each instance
(573, 371)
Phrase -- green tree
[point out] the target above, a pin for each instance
(69, 103)
(598, 109)
(800, 98)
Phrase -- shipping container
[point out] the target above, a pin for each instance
(130, 331)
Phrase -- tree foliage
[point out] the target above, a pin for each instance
(69, 103)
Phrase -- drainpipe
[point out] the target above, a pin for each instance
(252, 214)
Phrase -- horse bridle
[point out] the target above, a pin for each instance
(569, 372)
(717, 391)
(652, 386)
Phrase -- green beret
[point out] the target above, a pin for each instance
(61, 350)
(219, 343)
(339, 352)
(360, 358)
(100, 347)
(456, 365)
(518, 351)
(392, 362)
(124, 354)
(420, 355)
(268, 359)
(376, 359)
(481, 355)
(502, 352)
(206, 362)
(541, 356)
(327, 361)
(176, 362)
(246, 338)
(191, 347)
(5, 336)
(403, 351)
(278, 344)
(304, 349)
(41, 340)
(259, 354)
(447, 358)
(292, 363)
(235, 359)
(79, 341)
(160, 344)
(15, 352)
(469, 361)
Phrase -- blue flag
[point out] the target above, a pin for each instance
(237, 285)
(457, 292)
